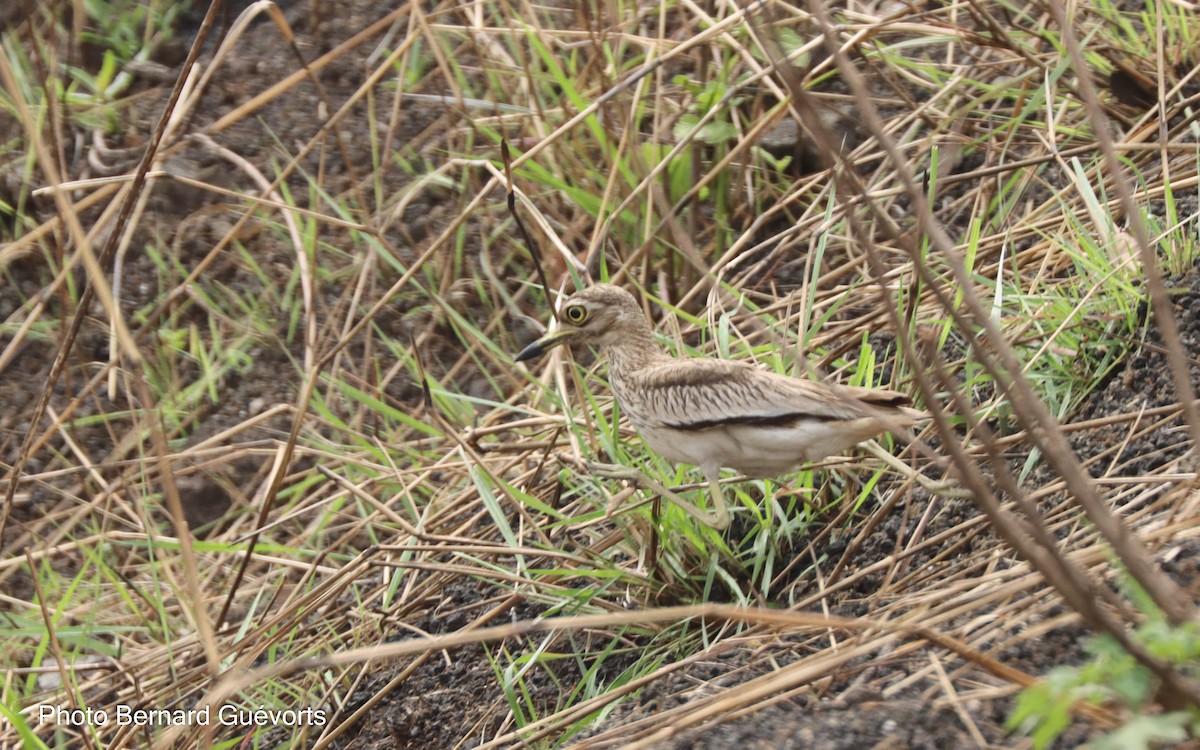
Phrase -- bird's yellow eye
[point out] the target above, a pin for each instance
(576, 314)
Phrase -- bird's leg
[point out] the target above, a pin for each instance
(944, 488)
(718, 499)
(718, 521)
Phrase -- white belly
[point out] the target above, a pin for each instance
(756, 450)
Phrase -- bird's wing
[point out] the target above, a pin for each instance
(701, 393)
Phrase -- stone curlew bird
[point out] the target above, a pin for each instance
(716, 413)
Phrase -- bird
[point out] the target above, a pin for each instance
(717, 413)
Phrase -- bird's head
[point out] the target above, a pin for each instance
(601, 315)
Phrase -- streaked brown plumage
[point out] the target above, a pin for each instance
(718, 413)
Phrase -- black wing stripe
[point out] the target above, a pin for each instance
(765, 420)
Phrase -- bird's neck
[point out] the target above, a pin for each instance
(634, 351)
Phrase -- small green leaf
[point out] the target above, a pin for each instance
(1146, 732)
(711, 132)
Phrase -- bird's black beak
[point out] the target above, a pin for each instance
(544, 344)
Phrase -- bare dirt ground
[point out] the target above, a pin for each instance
(914, 553)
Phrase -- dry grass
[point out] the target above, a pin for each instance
(961, 205)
